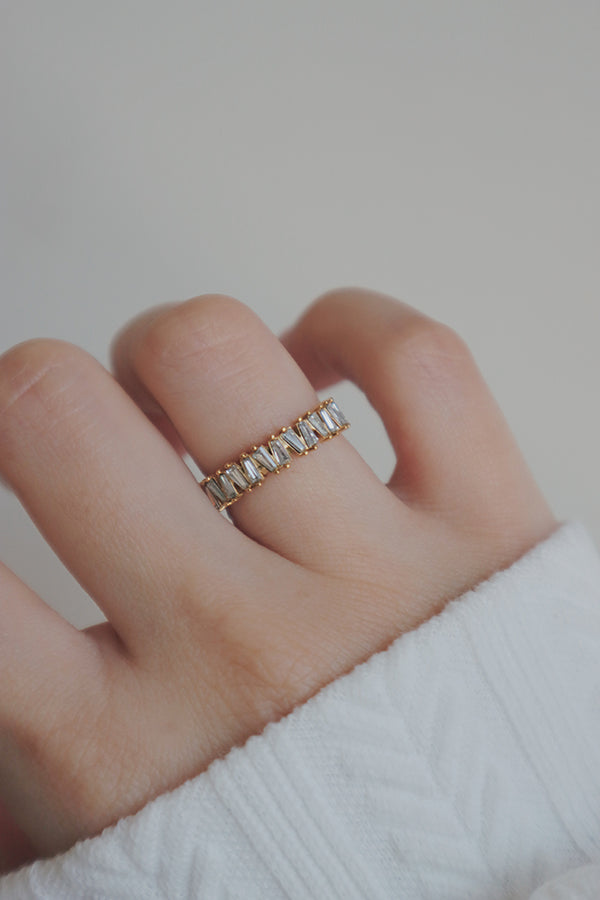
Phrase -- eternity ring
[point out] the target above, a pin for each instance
(235, 479)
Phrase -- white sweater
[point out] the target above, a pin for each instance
(463, 762)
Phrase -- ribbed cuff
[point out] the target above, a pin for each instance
(463, 762)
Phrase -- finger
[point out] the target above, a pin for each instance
(15, 847)
(106, 490)
(132, 385)
(44, 667)
(227, 383)
(444, 424)
(39, 651)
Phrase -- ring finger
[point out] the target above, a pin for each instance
(226, 383)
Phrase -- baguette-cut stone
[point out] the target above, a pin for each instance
(251, 470)
(318, 424)
(332, 426)
(215, 493)
(262, 456)
(279, 452)
(291, 437)
(227, 487)
(237, 477)
(308, 433)
(337, 414)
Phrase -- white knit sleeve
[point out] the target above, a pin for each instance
(463, 762)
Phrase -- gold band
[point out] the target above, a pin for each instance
(233, 480)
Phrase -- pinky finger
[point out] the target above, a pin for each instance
(37, 646)
(15, 847)
(42, 662)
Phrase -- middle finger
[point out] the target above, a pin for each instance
(104, 487)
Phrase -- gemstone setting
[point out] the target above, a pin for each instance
(215, 493)
(251, 470)
(308, 433)
(235, 475)
(228, 484)
(332, 426)
(318, 424)
(227, 487)
(293, 439)
(336, 413)
(264, 458)
(279, 452)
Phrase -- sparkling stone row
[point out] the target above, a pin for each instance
(228, 484)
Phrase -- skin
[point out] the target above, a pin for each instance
(215, 629)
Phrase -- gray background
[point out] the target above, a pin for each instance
(443, 152)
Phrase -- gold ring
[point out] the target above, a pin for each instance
(235, 479)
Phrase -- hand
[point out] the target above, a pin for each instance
(215, 630)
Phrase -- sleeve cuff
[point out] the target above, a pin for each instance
(462, 762)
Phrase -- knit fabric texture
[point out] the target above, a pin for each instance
(463, 763)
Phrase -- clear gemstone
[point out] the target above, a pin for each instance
(252, 473)
(337, 414)
(262, 456)
(279, 452)
(215, 493)
(317, 423)
(293, 440)
(331, 425)
(227, 487)
(310, 438)
(237, 477)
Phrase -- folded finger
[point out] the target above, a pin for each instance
(444, 424)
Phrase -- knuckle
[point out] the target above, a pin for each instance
(339, 296)
(334, 304)
(248, 667)
(268, 682)
(41, 368)
(192, 331)
(270, 676)
(430, 350)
